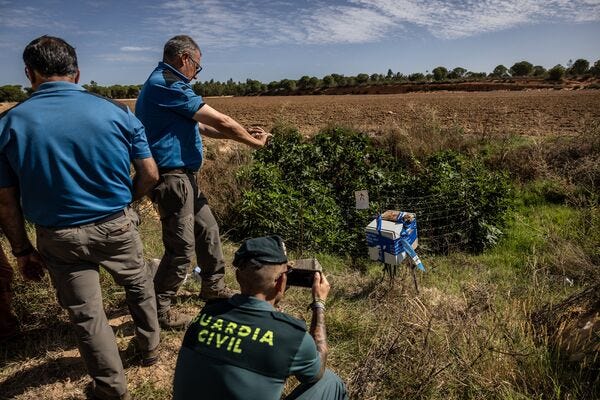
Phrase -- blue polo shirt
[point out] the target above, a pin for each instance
(69, 151)
(166, 106)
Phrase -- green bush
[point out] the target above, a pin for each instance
(304, 191)
(556, 73)
(307, 220)
(464, 202)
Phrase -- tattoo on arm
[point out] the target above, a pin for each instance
(319, 334)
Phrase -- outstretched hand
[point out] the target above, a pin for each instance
(260, 134)
(32, 266)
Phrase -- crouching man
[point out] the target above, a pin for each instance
(243, 348)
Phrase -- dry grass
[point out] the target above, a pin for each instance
(571, 161)
(467, 335)
(217, 178)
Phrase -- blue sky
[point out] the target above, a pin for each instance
(121, 41)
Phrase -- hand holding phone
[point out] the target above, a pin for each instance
(303, 272)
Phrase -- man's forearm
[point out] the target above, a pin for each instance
(319, 334)
(11, 219)
(141, 186)
(145, 178)
(225, 127)
(230, 129)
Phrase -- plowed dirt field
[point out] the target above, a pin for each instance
(526, 113)
(536, 112)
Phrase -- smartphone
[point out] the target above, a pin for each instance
(303, 272)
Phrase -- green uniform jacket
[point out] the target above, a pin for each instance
(243, 348)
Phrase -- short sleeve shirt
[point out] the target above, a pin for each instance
(231, 370)
(166, 106)
(70, 152)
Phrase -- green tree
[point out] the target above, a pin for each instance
(376, 78)
(416, 77)
(329, 81)
(340, 80)
(288, 85)
(12, 93)
(556, 73)
(475, 75)
(579, 67)
(500, 72)
(439, 73)
(314, 82)
(303, 82)
(521, 68)
(362, 78)
(457, 73)
(273, 86)
(253, 86)
(539, 71)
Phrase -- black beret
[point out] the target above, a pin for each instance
(261, 250)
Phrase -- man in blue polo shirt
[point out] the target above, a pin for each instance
(65, 157)
(175, 117)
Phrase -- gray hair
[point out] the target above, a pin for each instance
(178, 45)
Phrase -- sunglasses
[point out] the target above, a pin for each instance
(197, 64)
(286, 272)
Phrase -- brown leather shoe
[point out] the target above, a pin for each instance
(134, 355)
(173, 320)
(208, 293)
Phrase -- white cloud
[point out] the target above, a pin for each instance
(456, 19)
(14, 16)
(346, 25)
(214, 23)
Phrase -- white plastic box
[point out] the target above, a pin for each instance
(385, 245)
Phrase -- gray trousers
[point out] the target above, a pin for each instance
(73, 256)
(329, 387)
(188, 225)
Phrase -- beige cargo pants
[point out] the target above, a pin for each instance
(73, 256)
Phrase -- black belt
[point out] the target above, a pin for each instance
(109, 217)
(102, 220)
(175, 171)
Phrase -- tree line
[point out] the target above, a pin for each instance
(521, 69)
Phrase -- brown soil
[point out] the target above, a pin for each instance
(530, 112)
(540, 112)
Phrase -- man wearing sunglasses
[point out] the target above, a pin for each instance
(175, 118)
(243, 348)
